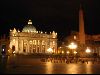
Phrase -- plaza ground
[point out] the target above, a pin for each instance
(30, 64)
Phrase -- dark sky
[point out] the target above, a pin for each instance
(48, 15)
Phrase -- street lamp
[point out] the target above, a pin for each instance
(75, 52)
(68, 53)
(72, 46)
(62, 52)
(50, 50)
(88, 50)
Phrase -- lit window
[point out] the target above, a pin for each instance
(30, 42)
(74, 37)
(43, 43)
(53, 42)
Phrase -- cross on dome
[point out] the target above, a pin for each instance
(29, 22)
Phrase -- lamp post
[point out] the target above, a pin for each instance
(88, 51)
(72, 46)
(50, 50)
(67, 53)
(75, 53)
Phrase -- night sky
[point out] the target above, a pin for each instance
(48, 15)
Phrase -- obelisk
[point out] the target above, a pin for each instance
(81, 27)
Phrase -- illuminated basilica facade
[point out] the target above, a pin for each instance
(29, 40)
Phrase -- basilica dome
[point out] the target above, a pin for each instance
(29, 27)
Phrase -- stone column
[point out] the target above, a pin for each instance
(32, 47)
(46, 46)
(40, 46)
(36, 46)
(22, 46)
(27, 46)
